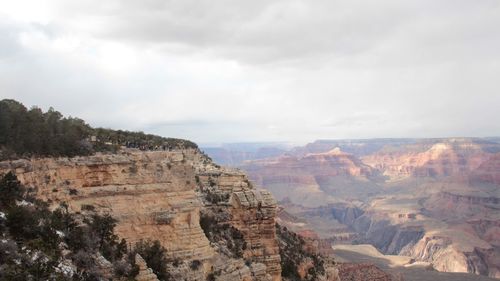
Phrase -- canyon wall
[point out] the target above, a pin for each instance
(314, 179)
(436, 200)
(159, 195)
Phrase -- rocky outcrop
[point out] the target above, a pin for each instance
(145, 273)
(443, 256)
(468, 199)
(301, 259)
(140, 190)
(254, 215)
(159, 195)
(252, 212)
(362, 272)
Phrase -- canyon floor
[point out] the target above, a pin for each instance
(398, 264)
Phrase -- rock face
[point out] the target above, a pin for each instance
(489, 170)
(331, 163)
(159, 196)
(313, 179)
(145, 273)
(254, 215)
(140, 190)
(449, 158)
(251, 211)
(361, 272)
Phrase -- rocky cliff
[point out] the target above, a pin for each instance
(159, 195)
(488, 171)
(314, 179)
(453, 157)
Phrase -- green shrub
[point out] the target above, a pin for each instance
(31, 234)
(155, 256)
(195, 264)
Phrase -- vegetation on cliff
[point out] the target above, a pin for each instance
(37, 243)
(297, 263)
(215, 224)
(32, 132)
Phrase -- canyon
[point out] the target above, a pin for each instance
(433, 200)
(212, 221)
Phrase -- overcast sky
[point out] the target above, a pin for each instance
(226, 71)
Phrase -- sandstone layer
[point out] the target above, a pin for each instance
(314, 179)
(158, 195)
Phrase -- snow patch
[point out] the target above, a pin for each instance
(66, 268)
(24, 203)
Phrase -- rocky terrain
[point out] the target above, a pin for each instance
(399, 265)
(212, 222)
(434, 200)
(84, 203)
(159, 196)
(314, 179)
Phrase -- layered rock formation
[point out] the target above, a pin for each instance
(488, 171)
(361, 272)
(252, 212)
(332, 163)
(159, 196)
(450, 158)
(145, 273)
(152, 195)
(436, 200)
(313, 179)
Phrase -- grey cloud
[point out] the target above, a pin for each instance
(270, 31)
(262, 70)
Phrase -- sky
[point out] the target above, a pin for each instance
(260, 70)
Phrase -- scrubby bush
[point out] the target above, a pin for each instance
(155, 256)
(216, 198)
(34, 238)
(218, 231)
(292, 252)
(11, 190)
(195, 265)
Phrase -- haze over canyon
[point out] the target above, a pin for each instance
(436, 201)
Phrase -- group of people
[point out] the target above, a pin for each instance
(143, 146)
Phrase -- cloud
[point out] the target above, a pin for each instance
(259, 70)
